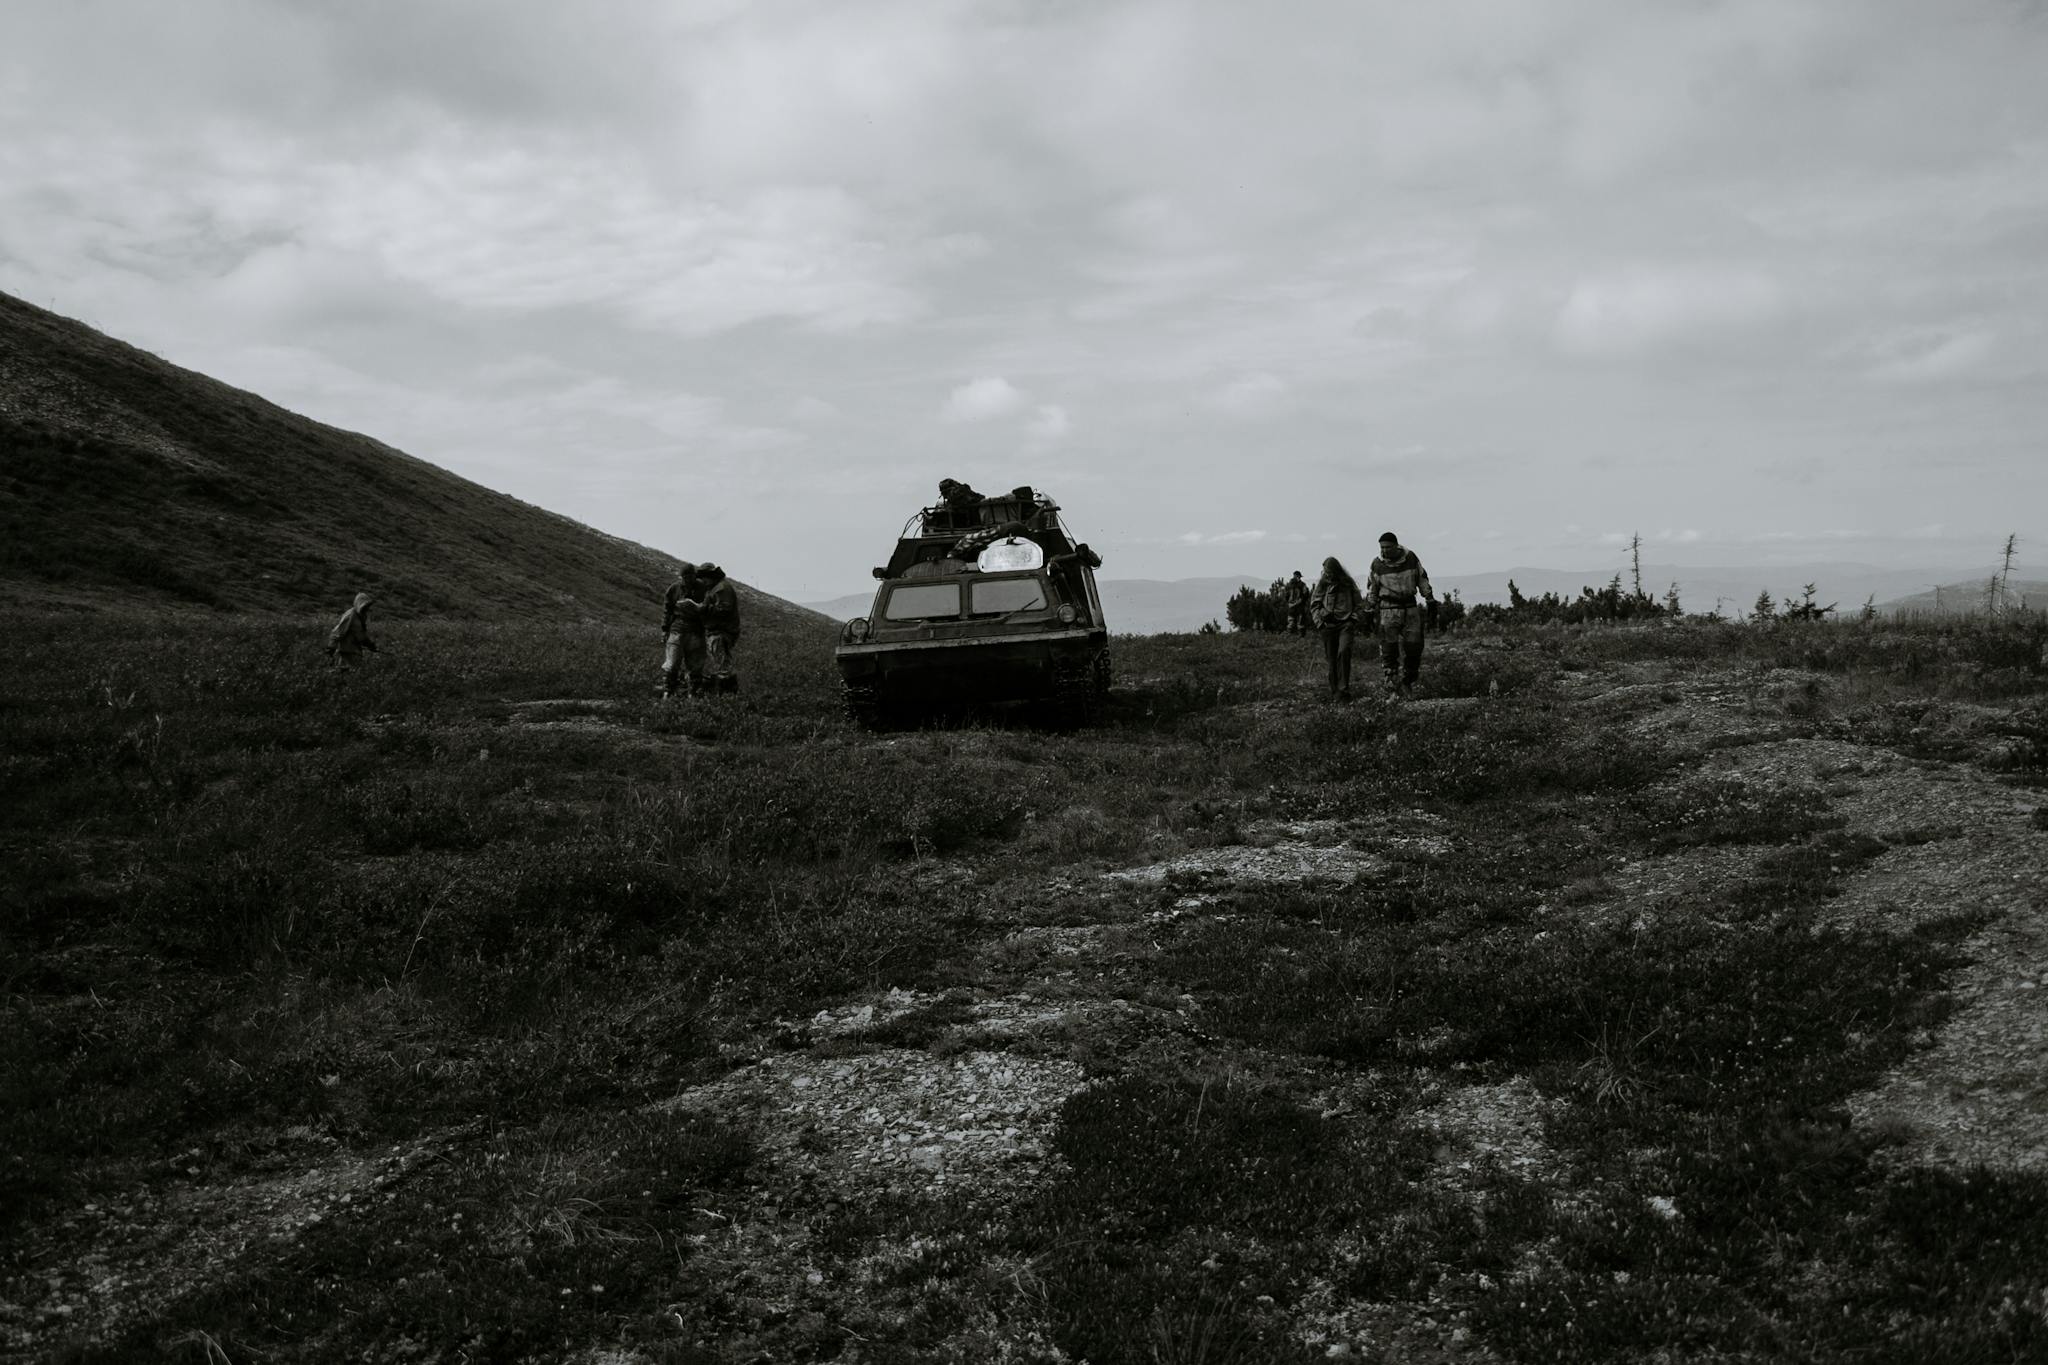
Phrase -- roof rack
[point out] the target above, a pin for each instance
(932, 531)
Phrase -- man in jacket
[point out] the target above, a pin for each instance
(1397, 588)
(682, 631)
(351, 634)
(1295, 598)
(721, 629)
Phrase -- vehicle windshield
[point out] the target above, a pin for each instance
(1000, 596)
(922, 601)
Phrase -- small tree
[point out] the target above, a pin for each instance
(1671, 607)
(1250, 609)
(1766, 608)
(1805, 609)
(1997, 595)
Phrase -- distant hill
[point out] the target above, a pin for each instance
(1736, 587)
(1148, 606)
(1965, 598)
(125, 480)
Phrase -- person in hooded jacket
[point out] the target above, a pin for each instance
(1397, 588)
(1335, 603)
(721, 629)
(351, 634)
(682, 632)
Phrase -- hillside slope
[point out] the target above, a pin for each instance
(126, 480)
(1967, 598)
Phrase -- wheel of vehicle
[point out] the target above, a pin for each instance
(1077, 696)
(861, 704)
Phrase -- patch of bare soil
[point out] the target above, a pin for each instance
(900, 1119)
(160, 1241)
(1962, 843)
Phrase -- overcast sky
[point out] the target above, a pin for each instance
(1240, 285)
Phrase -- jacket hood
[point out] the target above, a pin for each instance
(363, 599)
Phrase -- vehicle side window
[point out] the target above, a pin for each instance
(922, 601)
(1000, 596)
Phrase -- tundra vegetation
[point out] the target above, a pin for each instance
(422, 953)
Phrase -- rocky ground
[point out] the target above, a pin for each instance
(946, 1093)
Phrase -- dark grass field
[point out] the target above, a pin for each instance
(486, 897)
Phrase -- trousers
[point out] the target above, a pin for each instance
(1337, 638)
(1401, 645)
(684, 655)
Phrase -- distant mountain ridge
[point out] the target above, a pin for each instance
(1968, 597)
(128, 481)
(1141, 606)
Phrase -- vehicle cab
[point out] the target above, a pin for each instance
(988, 602)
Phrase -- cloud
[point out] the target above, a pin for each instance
(1636, 308)
(1049, 423)
(1251, 395)
(1222, 537)
(979, 400)
(1931, 356)
(1541, 233)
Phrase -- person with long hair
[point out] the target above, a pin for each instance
(1336, 602)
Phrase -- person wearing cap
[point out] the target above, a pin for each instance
(351, 634)
(721, 629)
(682, 631)
(1397, 589)
(1294, 597)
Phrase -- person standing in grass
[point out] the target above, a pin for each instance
(682, 632)
(1335, 604)
(721, 629)
(1392, 588)
(1295, 598)
(351, 634)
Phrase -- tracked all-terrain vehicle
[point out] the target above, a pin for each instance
(985, 599)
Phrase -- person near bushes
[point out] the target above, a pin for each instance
(1335, 604)
(351, 634)
(1397, 590)
(721, 629)
(1295, 598)
(682, 632)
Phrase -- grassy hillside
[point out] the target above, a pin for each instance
(1628, 995)
(125, 480)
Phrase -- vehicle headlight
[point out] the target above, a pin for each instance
(1067, 613)
(857, 629)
